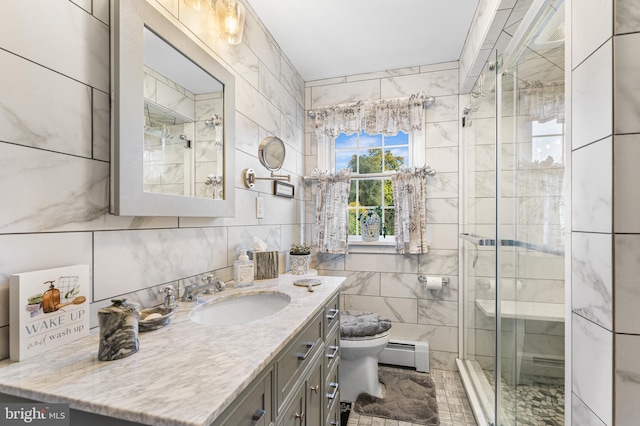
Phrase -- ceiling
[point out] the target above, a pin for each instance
(332, 38)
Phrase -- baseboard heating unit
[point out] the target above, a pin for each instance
(406, 354)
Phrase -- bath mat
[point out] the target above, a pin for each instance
(409, 396)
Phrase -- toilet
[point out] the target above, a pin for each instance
(363, 335)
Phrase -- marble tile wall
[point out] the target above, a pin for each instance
(54, 155)
(381, 281)
(605, 234)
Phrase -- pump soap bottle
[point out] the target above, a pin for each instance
(243, 270)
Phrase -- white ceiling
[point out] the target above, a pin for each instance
(332, 38)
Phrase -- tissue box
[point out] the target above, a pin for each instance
(266, 264)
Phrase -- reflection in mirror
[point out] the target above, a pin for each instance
(271, 153)
(173, 118)
(183, 112)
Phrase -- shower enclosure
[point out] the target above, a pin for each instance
(512, 231)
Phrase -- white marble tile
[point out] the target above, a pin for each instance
(442, 159)
(85, 4)
(132, 260)
(627, 292)
(272, 89)
(382, 263)
(395, 308)
(591, 197)
(581, 414)
(441, 134)
(262, 44)
(49, 191)
(382, 74)
(626, 90)
(445, 108)
(442, 185)
(328, 261)
(434, 83)
(442, 360)
(363, 283)
(242, 237)
(627, 386)
(438, 312)
(101, 10)
(345, 93)
(31, 252)
(442, 210)
(626, 193)
(75, 43)
(592, 103)
(279, 210)
(627, 17)
(101, 122)
(439, 262)
(44, 109)
(591, 26)
(291, 80)
(592, 346)
(442, 236)
(256, 107)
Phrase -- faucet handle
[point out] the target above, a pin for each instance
(170, 299)
(209, 278)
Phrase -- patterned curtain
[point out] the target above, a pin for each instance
(410, 199)
(542, 102)
(387, 117)
(332, 200)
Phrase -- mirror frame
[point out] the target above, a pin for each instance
(128, 198)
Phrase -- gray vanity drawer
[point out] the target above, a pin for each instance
(331, 389)
(253, 406)
(332, 314)
(332, 349)
(297, 357)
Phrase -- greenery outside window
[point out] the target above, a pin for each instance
(364, 154)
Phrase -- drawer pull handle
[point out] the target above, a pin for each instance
(314, 389)
(300, 416)
(303, 356)
(333, 314)
(335, 390)
(259, 418)
(334, 423)
(335, 351)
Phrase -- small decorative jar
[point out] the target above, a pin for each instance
(118, 330)
(370, 226)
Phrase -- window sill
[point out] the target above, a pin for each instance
(383, 245)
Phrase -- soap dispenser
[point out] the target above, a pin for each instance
(243, 270)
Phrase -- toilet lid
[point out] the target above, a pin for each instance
(362, 324)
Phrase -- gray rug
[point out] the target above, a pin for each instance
(409, 396)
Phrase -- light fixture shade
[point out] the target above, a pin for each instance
(198, 5)
(230, 15)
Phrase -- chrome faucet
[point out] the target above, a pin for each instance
(211, 284)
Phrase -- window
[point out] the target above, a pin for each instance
(363, 154)
(547, 142)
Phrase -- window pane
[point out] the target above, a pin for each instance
(395, 158)
(346, 141)
(371, 161)
(353, 223)
(547, 148)
(370, 193)
(352, 193)
(367, 140)
(346, 160)
(389, 217)
(400, 139)
(549, 128)
(388, 193)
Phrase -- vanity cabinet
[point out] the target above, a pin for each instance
(300, 388)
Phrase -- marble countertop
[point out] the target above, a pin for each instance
(183, 374)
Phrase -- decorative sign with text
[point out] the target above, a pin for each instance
(48, 308)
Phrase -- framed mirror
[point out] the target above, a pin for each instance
(173, 111)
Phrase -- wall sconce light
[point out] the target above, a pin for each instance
(198, 5)
(230, 15)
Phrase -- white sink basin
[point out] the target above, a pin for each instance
(239, 309)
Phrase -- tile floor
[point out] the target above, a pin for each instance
(453, 406)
